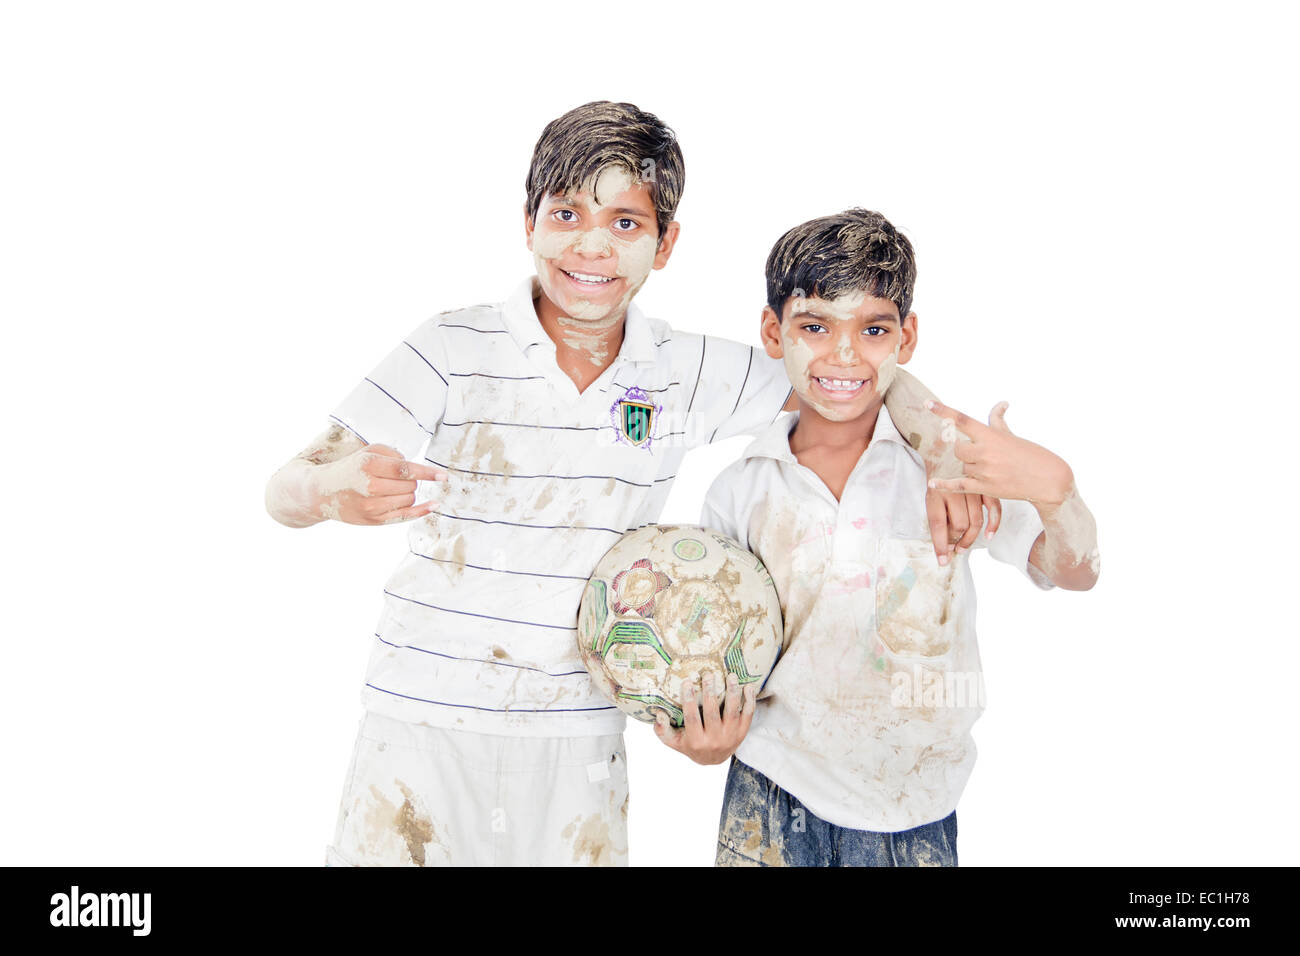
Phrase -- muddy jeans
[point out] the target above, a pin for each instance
(763, 825)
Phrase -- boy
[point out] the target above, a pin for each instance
(549, 426)
(861, 746)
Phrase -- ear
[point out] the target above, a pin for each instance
(666, 243)
(770, 333)
(528, 229)
(909, 334)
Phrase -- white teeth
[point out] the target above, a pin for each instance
(583, 277)
(841, 384)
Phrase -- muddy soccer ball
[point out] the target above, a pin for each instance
(675, 602)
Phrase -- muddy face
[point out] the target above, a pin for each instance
(594, 249)
(842, 354)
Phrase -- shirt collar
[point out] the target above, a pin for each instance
(774, 442)
(521, 320)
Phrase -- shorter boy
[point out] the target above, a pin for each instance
(861, 745)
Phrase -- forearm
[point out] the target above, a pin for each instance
(291, 498)
(1066, 552)
(923, 430)
(305, 491)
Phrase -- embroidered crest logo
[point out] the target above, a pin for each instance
(635, 416)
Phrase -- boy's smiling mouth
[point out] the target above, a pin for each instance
(588, 280)
(841, 388)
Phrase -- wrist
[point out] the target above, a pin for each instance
(1058, 486)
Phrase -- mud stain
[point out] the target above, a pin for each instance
(913, 613)
(591, 844)
(458, 555)
(772, 857)
(412, 826)
(415, 829)
(486, 454)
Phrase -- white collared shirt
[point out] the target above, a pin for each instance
(479, 626)
(866, 718)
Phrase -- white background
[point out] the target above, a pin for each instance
(218, 216)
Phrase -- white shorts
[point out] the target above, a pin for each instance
(425, 796)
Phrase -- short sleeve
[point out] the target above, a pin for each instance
(721, 510)
(1015, 537)
(738, 390)
(402, 400)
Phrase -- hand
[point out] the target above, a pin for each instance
(374, 485)
(999, 464)
(955, 520)
(717, 738)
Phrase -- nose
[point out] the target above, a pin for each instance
(595, 243)
(844, 351)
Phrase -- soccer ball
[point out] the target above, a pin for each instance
(670, 603)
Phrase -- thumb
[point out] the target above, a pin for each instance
(997, 417)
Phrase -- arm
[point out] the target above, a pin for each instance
(1066, 552)
(906, 400)
(338, 476)
(712, 734)
(997, 462)
(955, 518)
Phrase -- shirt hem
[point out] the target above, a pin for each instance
(533, 724)
(766, 758)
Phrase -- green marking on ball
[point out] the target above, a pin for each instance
(735, 658)
(634, 632)
(597, 610)
(690, 631)
(689, 549)
(654, 700)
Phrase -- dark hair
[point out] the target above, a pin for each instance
(855, 250)
(582, 142)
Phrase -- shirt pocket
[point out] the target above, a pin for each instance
(914, 600)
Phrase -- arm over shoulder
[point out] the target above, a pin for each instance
(734, 390)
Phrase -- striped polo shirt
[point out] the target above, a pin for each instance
(479, 624)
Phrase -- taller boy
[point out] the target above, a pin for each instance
(554, 423)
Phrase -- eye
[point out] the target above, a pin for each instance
(626, 225)
(875, 330)
(565, 215)
(811, 327)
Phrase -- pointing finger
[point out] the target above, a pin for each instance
(969, 426)
(969, 486)
(407, 514)
(383, 466)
